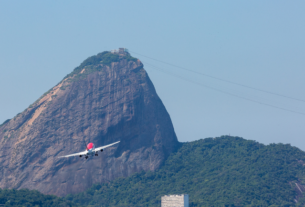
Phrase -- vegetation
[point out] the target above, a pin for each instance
(225, 171)
(28, 198)
(130, 58)
(105, 58)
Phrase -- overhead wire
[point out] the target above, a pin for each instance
(222, 91)
(223, 80)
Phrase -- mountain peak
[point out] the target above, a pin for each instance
(108, 98)
(96, 62)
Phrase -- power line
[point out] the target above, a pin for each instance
(224, 92)
(224, 80)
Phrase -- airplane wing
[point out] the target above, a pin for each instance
(75, 154)
(103, 147)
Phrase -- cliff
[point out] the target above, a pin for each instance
(108, 98)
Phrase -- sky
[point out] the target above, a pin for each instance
(257, 44)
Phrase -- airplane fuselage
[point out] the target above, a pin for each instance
(90, 151)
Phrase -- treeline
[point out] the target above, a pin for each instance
(28, 198)
(225, 171)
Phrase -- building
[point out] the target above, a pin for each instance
(120, 51)
(175, 200)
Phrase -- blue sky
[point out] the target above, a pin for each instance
(260, 44)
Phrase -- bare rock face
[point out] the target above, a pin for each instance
(108, 98)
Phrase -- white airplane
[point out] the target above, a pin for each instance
(90, 150)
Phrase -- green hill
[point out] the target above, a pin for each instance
(225, 171)
(28, 198)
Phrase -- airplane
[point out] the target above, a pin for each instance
(90, 150)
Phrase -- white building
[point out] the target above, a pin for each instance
(175, 200)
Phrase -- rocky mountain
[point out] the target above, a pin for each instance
(108, 98)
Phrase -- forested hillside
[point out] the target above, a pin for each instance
(225, 171)
(30, 198)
